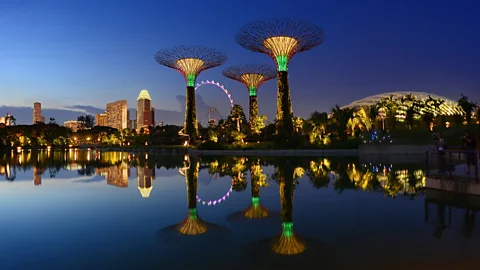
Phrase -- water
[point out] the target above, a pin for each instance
(91, 210)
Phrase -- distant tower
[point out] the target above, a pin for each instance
(144, 110)
(37, 113)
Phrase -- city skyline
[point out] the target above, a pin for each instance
(371, 51)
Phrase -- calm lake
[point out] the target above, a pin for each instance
(77, 209)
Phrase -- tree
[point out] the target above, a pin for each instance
(237, 115)
(88, 121)
(259, 124)
(467, 106)
(359, 121)
(318, 118)
(340, 120)
(52, 121)
(12, 119)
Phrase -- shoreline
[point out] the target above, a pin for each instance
(363, 150)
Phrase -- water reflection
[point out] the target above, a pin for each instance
(115, 167)
(303, 209)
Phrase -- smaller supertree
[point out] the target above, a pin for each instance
(190, 61)
(252, 76)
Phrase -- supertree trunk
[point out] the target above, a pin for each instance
(191, 114)
(284, 106)
(253, 112)
(192, 181)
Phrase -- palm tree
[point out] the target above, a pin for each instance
(467, 106)
(359, 121)
(340, 120)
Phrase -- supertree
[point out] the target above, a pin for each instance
(190, 61)
(192, 224)
(281, 39)
(252, 76)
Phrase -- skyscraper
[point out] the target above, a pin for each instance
(117, 114)
(144, 110)
(37, 113)
(101, 119)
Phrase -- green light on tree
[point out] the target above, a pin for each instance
(255, 201)
(287, 229)
(252, 90)
(192, 213)
(191, 79)
(282, 61)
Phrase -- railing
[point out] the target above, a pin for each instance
(454, 164)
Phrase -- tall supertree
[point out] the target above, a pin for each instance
(190, 61)
(252, 76)
(281, 39)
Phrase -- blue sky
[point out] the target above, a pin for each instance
(89, 52)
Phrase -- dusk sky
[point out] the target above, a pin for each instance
(69, 52)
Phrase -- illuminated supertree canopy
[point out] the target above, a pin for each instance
(190, 61)
(252, 76)
(281, 39)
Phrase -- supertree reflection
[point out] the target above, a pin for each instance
(287, 243)
(192, 224)
(257, 178)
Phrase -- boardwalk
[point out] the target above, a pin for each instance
(450, 172)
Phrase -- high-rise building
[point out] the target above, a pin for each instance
(117, 114)
(37, 113)
(101, 119)
(74, 125)
(144, 110)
